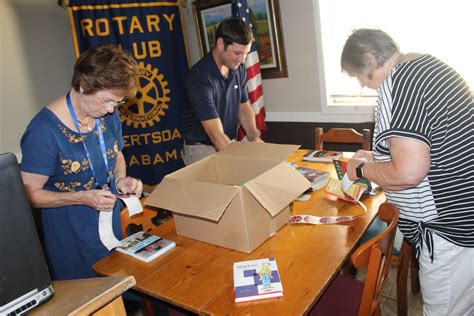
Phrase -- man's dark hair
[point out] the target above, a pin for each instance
(234, 30)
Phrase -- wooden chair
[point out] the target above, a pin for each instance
(347, 296)
(406, 261)
(142, 220)
(342, 135)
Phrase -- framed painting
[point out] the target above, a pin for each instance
(265, 15)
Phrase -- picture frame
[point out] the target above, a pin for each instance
(267, 31)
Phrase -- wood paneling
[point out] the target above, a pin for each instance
(302, 133)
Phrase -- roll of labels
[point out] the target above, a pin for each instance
(322, 220)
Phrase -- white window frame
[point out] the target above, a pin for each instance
(351, 105)
(363, 112)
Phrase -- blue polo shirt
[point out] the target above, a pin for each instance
(210, 95)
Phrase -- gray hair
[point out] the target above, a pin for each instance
(380, 45)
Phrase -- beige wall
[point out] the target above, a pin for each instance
(36, 60)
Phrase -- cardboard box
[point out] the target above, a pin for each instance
(236, 198)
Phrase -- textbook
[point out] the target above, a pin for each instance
(256, 280)
(144, 246)
(317, 178)
(322, 155)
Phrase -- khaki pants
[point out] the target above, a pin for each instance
(193, 153)
(447, 282)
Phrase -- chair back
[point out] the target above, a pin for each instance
(375, 255)
(342, 135)
(142, 220)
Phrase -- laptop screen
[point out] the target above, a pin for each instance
(24, 275)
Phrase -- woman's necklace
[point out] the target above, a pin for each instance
(85, 125)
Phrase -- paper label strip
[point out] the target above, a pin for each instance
(318, 220)
(106, 232)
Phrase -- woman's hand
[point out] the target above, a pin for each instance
(101, 200)
(360, 157)
(367, 155)
(129, 185)
(352, 165)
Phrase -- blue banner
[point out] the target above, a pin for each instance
(152, 32)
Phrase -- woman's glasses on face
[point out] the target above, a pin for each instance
(110, 103)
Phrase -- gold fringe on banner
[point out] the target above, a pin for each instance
(65, 3)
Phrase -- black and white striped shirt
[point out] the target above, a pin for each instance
(427, 100)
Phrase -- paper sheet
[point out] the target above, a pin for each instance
(106, 232)
(133, 204)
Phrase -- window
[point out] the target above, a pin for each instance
(443, 29)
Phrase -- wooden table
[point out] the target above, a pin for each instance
(98, 296)
(198, 276)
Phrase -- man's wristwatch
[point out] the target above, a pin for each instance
(360, 170)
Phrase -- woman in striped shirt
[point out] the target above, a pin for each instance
(423, 157)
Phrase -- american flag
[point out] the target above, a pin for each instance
(254, 78)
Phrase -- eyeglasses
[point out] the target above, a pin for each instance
(111, 103)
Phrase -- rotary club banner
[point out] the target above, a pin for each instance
(152, 32)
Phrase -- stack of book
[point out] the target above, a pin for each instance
(317, 178)
(144, 246)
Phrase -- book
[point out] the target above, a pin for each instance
(352, 194)
(318, 178)
(144, 246)
(322, 155)
(256, 280)
(341, 167)
(347, 191)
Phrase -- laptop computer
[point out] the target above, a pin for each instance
(24, 277)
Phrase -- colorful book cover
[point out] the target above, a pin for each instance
(256, 280)
(317, 178)
(144, 246)
(341, 167)
(353, 194)
(322, 155)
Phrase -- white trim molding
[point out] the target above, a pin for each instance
(320, 117)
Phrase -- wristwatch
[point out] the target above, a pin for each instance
(360, 170)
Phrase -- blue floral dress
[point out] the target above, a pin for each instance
(71, 235)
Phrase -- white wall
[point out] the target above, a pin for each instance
(300, 97)
(297, 92)
(37, 56)
(36, 60)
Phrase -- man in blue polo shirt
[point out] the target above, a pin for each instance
(216, 93)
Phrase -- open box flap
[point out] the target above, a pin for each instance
(277, 187)
(200, 199)
(259, 150)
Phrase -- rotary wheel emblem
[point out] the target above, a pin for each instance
(151, 100)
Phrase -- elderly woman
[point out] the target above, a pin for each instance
(72, 164)
(423, 158)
